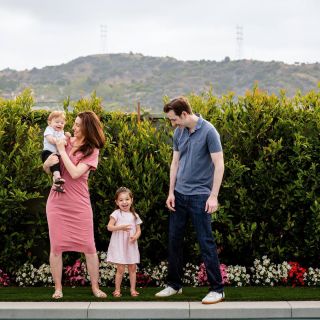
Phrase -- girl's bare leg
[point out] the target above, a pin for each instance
(132, 268)
(119, 277)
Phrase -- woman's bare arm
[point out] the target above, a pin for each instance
(75, 171)
(51, 160)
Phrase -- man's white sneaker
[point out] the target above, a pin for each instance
(167, 292)
(213, 297)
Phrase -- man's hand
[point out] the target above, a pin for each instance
(171, 202)
(212, 204)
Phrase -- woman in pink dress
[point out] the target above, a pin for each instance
(123, 247)
(69, 213)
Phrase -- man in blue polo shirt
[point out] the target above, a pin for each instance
(195, 177)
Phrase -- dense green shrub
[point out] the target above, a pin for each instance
(22, 219)
(269, 197)
(136, 156)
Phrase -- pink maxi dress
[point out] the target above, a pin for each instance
(69, 214)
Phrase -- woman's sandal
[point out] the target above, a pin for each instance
(134, 293)
(99, 294)
(116, 294)
(57, 294)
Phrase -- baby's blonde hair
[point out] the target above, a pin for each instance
(56, 114)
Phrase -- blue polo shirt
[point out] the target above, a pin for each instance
(195, 171)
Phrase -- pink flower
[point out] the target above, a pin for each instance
(224, 273)
(4, 279)
(75, 275)
(203, 278)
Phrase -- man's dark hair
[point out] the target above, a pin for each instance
(178, 105)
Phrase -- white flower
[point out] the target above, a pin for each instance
(26, 275)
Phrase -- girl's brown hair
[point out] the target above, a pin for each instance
(91, 129)
(125, 190)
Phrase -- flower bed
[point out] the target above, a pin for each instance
(263, 273)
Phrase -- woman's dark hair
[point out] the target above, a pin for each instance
(178, 105)
(91, 128)
(125, 190)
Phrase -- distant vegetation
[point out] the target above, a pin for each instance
(124, 79)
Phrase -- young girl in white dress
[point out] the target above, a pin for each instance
(123, 248)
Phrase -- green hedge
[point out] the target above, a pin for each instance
(269, 198)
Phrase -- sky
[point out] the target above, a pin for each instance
(39, 33)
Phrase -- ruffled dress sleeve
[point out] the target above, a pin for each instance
(91, 160)
(138, 220)
(115, 215)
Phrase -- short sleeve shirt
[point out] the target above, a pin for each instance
(57, 134)
(196, 169)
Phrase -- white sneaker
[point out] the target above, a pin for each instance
(213, 297)
(167, 292)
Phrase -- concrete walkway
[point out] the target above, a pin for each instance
(160, 310)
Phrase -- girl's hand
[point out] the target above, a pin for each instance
(126, 227)
(132, 239)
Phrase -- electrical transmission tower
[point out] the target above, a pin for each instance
(103, 37)
(239, 38)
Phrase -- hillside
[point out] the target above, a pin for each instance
(123, 79)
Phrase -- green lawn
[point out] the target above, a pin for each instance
(147, 294)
